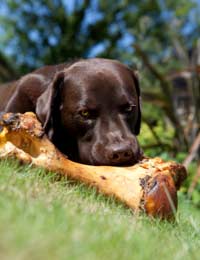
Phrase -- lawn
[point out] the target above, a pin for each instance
(42, 217)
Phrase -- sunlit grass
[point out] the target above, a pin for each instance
(43, 217)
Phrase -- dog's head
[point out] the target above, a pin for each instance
(91, 111)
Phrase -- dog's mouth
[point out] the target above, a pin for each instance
(102, 162)
(121, 154)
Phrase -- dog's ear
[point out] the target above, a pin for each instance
(137, 86)
(48, 103)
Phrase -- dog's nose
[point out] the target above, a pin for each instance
(120, 155)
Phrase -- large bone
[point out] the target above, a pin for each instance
(150, 186)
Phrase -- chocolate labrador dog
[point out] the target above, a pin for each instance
(89, 109)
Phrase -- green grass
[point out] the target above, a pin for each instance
(42, 217)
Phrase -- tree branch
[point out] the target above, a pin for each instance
(193, 151)
(166, 89)
(164, 83)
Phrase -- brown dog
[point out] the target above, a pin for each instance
(89, 109)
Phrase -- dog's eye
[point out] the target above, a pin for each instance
(127, 108)
(85, 113)
(88, 113)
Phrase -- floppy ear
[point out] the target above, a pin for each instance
(48, 102)
(137, 86)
